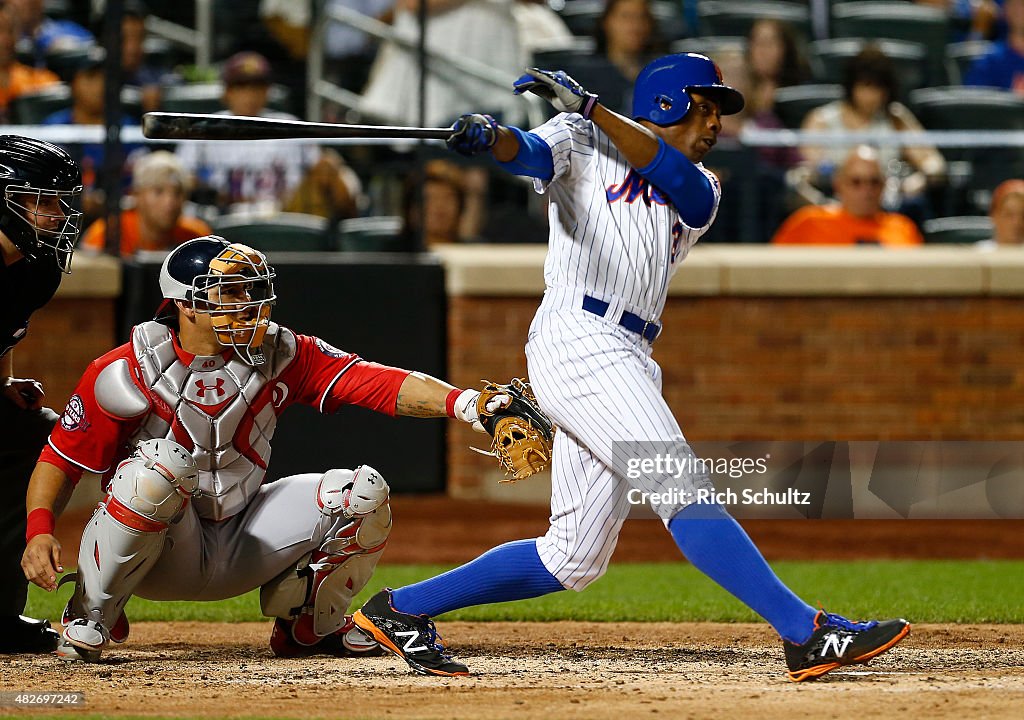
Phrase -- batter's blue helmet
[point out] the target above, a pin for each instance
(661, 91)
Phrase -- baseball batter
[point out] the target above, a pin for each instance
(628, 199)
(179, 423)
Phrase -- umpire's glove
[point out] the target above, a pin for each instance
(473, 134)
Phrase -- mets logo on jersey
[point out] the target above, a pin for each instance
(74, 415)
(634, 187)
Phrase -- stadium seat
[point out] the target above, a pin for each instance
(562, 57)
(897, 21)
(975, 109)
(284, 232)
(960, 56)
(554, 56)
(33, 107)
(735, 17)
(968, 108)
(668, 20)
(712, 45)
(371, 234)
(63, 61)
(206, 98)
(793, 103)
(581, 17)
(828, 60)
(962, 229)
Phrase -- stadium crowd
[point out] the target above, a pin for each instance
(831, 67)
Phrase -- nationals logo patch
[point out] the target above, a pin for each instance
(74, 415)
(329, 350)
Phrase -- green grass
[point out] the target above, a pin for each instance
(946, 591)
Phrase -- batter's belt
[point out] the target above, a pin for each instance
(649, 331)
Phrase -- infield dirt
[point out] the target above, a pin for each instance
(568, 669)
(539, 670)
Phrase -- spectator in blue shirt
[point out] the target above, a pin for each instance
(87, 86)
(48, 34)
(1003, 67)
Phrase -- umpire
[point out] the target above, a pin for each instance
(38, 229)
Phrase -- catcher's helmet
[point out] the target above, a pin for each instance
(661, 93)
(230, 282)
(40, 183)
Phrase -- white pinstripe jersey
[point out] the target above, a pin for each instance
(612, 235)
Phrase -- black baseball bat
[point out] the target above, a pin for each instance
(192, 126)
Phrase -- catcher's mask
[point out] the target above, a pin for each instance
(230, 282)
(41, 185)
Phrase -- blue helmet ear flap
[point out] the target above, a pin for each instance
(667, 110)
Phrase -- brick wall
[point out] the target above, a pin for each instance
(853, 368)
(63, 338)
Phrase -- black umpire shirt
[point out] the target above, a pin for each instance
(24, 288)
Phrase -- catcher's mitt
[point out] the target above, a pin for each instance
(521, 433)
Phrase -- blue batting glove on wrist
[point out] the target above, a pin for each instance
(473, 134)
(564, 93)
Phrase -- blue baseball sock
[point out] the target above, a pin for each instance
(717, 546)
(512, 571)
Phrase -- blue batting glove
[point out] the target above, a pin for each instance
(473, 134)
(564, 93)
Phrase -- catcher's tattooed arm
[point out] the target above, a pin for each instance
(427, 397)
(423, 396)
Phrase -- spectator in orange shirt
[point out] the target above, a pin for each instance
(858, 219)
(155, 223)
(15, 77)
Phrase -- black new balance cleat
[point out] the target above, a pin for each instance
(411, 637)
(837, 641)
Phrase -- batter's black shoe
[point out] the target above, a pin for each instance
(411, 637)
(20, 634)
(837, 641)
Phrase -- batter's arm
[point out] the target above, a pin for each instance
(48, 492)
(638, 145)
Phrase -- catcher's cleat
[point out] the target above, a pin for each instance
(837, 641)
(83, 640)
(411, 637)
(20, 634)
(346, 641)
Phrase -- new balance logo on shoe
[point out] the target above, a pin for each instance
(411, 636)
(837, 643)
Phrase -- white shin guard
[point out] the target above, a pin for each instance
(125, 536)
(317, 592)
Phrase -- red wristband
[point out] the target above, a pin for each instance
(449, 402)
(40, 522)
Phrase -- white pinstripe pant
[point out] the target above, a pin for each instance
(600, 386)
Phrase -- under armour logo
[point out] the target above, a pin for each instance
(413, 635)
(217, 387)
(838, 643)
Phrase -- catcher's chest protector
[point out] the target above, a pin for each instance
(225, 409)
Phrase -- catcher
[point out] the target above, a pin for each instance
(179, 423)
